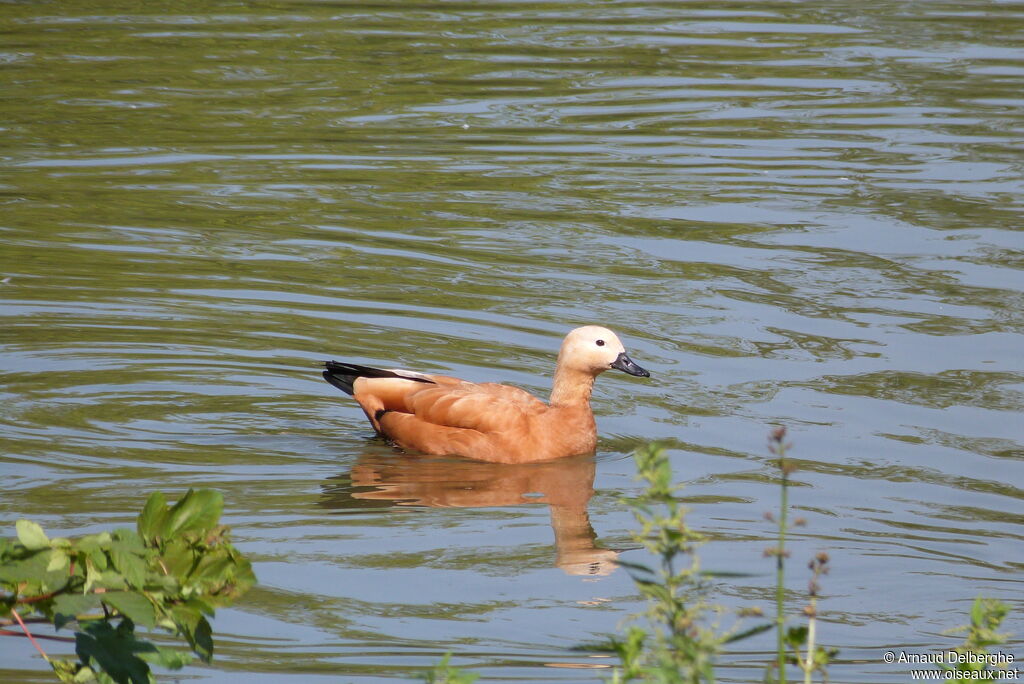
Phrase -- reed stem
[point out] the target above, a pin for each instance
(777, 444)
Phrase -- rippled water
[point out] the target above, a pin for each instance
(794, 213)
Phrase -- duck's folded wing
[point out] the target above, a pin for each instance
(411, 432)
(486, 408)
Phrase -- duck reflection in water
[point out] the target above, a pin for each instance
(565, 485)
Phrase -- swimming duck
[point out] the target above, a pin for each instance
(442, 415)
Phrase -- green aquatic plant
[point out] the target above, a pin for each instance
(683, 633)
(797, 644)
(801, 639)
(446, 673)
(171, 572)
(987, 615)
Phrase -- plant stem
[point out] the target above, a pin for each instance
(811, 624)
(778, 446)
(29, 635)
(780, 573)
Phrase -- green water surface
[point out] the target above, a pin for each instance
(793, 213)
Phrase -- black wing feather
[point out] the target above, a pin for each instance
(342, 375)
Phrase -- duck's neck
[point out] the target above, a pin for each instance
(571, 387)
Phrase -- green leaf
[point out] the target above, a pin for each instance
(69, 606)
(198, 511)
(823, 656)
(129, 540)
(747, 633)
(111, 579)
(171, 658)
(796, 636)
(186, 619)
(445, 673)
(204, 639)
(179, 559)
(58, 560)
(66, 670)
(94, 543)
(114, 651)
(150, 522)
(236, 577)
(92, 575)
(977, 609)
(99, 559)
(194, 627)
(203, 604)
(31, 535)
(85, 674)
(75, 604)
(129, 563)
(22, 569)
(132, 604)
(31, 571)
(160, 583)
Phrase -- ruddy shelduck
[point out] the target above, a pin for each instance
(442, 415)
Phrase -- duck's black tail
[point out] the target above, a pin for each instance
(342, 375)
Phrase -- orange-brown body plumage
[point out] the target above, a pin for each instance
(438, 414)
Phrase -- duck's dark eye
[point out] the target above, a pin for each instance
(600, 343)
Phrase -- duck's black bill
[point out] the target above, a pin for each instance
(626, 365)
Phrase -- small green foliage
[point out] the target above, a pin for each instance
(445, 673)
(683, 637)
(986, 617)
(679, 647)
(172, 572)
(631, 655)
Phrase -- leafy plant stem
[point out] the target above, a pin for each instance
(170, 572)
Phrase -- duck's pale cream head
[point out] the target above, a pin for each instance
(593, 349)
